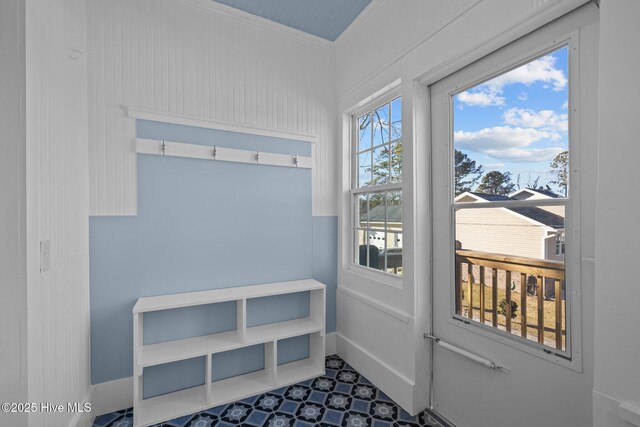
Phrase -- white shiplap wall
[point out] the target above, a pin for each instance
(57, 198)
(201, 60)
(404, 41)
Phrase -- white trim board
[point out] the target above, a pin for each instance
(611, 412)
(394, 384)
(220, 154)
(180, 119)
(83, 419)
(403, 317)
(118, 394)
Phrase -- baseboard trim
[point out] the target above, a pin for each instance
(112, 396)
(611, 412)
(84, 419)
(394, 384)
(118, 394)
(330, 344)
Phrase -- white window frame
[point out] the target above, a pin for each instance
(571, 357)
(560, 243)
(366, 272)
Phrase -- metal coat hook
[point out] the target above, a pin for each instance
(214, 152)
(257, 156)
(295, 160)
(164, 147)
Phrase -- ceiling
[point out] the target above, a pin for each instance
(323, 18)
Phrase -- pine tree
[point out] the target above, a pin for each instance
(560, 168)
(496, 182)
(467, 172)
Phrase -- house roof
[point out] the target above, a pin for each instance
(539, 215)
(517, 194)
(394, 214)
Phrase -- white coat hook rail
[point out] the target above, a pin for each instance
(195, 151)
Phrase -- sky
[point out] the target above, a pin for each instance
(517, 122)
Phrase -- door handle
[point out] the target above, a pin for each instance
(465, 353)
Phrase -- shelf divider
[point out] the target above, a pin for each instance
(241, 318)
(271, 360)
(207, 379)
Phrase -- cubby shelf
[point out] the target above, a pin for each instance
(212, 393)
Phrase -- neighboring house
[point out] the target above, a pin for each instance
(530, 194)
(530, 232)
(394, 225)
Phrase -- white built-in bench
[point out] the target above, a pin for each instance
(212, 393)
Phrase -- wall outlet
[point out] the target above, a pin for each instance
(45, 255)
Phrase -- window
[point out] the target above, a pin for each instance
(560, 243)
(511, 163)
(377, 188)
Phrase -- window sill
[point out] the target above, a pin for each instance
(385, 279)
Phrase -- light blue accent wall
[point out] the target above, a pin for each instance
(174, 376)
(206, 225)
(292, 349)
(325, 261)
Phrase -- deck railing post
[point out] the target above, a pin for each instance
(458, 290)
(558, 304)
(483, 303)
(540, 292)
(533, 274)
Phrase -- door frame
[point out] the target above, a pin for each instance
(423, 137)
(573, 357)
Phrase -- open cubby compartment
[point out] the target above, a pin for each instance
(291, 372)
(167, 345)
(191, 396)
(255, 377)
(281, 322)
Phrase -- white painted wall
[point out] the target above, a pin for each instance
(57, 205)
(13, 280)
(406, 40)
(617, 344)
(202, 60)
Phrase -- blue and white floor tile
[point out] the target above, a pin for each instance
(341, 398)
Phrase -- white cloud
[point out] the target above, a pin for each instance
(482, 99)
(504, 143)
(565, 105)
(540, 70)
(523, 96)
(543, 119)
(501, 137)
(525, 155)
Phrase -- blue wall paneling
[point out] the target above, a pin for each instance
(206, 225)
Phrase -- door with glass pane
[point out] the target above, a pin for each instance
(506, 192)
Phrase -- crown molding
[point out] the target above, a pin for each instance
(134, 112)
(364, 16)
(256, 21)
(450, 19)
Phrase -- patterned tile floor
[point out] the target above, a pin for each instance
(342, 397)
